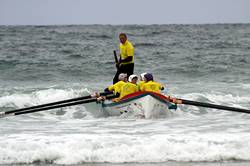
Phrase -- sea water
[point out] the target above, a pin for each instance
(43, 64)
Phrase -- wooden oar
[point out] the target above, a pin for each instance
(116, 60)
(89, 100)
(115, 55)
(56, 103)
(115, 79)
(207, 105)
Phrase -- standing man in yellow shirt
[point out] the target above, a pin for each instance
(126, 61)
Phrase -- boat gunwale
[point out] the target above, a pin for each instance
(157, 96)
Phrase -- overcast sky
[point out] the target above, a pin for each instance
(51, 12)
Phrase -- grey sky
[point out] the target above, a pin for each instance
(44, 12)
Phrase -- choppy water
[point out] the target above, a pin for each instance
(207, 63)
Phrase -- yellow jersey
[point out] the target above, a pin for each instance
(116, 87)
(152, 87)
(128, 88)
(140, 84)
(127, 49)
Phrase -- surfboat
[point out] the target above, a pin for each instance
(141, 104)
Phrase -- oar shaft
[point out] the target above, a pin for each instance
(115, 55)
(4, 114)
(208, 105)
(57, 106)
(54, 103)
(48, 104)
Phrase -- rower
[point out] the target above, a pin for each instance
(142, 80)
(129, 87)
(150, 85)
(116, 88)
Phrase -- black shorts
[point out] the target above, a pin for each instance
(128, 69)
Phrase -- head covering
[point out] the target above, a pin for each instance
(131, 77)
(149, 77)
(122, 76)
(142, 76)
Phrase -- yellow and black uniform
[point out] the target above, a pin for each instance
(127, 50)
(128, 88)
(116, 87)
(152, 87)
(126, 60)
(140, 84)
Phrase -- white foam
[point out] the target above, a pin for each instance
(15, 100)
(28, 99)
(82, 148)
(245, 86)
(226, 99)
(184, 138)
(39, 97)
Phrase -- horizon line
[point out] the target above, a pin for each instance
(108, 24)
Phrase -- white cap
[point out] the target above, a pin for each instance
(122, 76)
(142, 76)
(131, 77)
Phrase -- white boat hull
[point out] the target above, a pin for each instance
(145, 105)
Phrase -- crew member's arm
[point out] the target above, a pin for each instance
(128, 59)
(106, 90)
(109, 89)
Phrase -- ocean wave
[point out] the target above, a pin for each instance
(96, 36)
(190, 51)
(146, 45)
(24, 99)
(9, 61)
(92, 148)
(68, 51)
(245, 86)
(75, 56)
(38, 97)
(216, 98)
